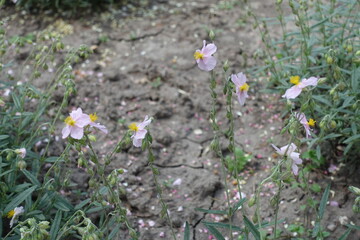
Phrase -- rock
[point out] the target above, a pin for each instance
(343, 220)
(331, 227)
(163, 112)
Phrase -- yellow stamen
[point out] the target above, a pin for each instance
(295, 80)
(11, 213)
(93, 117)
(198, 55)
(244, 87)
(70, 121)
(311, 122)
(133, 127)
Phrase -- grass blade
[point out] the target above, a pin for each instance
(187, 231)
(222, 225)
(346, 234)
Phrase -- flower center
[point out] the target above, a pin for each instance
(70, 121)
(198, 55)
(133, 127)
(244, 87)
(311, 122)
(295, 80)
(11, 213)
(93, 117)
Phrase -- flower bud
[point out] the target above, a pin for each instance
(21, 164)
(211, 35)
(322, 80)
(332, 124)
(329, 60)
(9, 156)
(226, 66)
(255, 218)
(341, 86)
(252, 201)
(92, 138)
(349, 48)
(355, 190)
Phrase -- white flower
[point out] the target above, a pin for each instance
(14, 215)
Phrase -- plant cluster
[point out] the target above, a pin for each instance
(323, 42)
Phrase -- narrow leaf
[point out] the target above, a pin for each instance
(19, 199)
(55, 226)
(255, 232)
(223, 225)
(31, 177)
(187, 231)
(346, 234)
(238, 204)
(215, 232)
(211, 211)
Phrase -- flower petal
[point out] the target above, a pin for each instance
(242, 95)
(312, 81)
(99, 126)
(296, 158)
(292, 92)
(207, 64)
(140, 134)
(295, 169)
(83, 121)
(76, 113)
(238, 79)
(146, 122)
(209, 49)
(76, 132)
(137, 142)
(65, 131)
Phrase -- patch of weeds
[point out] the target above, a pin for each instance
(241, 159)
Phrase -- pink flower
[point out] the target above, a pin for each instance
(241, 86)
(307, 124)
(295, 91)
(203, 57)
(289, 150)
(139, 131)
(93, 117)
(21, 152)
(75, 124)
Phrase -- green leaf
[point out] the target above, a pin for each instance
(323, 202)
(352, 138)
(321, 211)
(2, 137)
(353, 226)
(187, 231)
(114, 231)
(255, 232)
(323, 100)
(55, 225)
(82, 204)
(315, 188)
(238, 204)
(19, 199)
(223, 225)
(63, 204)
(215, 232)
(346, 234)
(16, 101)
(220, 212)
(31, 177)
